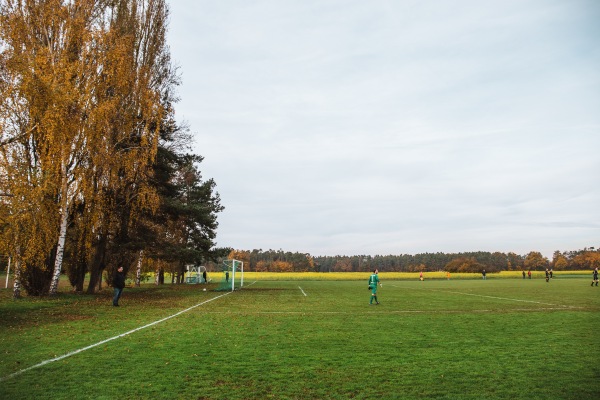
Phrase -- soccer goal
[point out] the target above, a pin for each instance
(233, 275)
(195, 273)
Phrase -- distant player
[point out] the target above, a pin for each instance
(373, 282)
(595, 277)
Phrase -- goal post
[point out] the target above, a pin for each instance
(233, 275)
(195, 273)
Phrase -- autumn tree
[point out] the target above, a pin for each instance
(281, 266)
(343, 265)
(515, 261)
(47, 54)
(262, 266)
(559, 261)
(302, 262)
(83, 87)
(535, 260)
(240, 255)
(586, 260)
(464, 264)
(137, 87)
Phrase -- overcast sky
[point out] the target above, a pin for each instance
(395, 127)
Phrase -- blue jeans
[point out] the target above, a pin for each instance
(117, 296)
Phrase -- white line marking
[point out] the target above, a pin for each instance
(506, 298)
(108, 340)
(302, 291)
(489, 297)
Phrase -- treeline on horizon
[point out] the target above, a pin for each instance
(281, 261)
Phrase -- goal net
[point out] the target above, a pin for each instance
(232, 275)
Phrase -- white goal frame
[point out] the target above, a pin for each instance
(234, 265)
(192, 269)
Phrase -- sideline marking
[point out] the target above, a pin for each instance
(302, 291)
(489, 297)
(107, 340)
(506, 298)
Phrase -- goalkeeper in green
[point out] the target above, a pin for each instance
(373, 282)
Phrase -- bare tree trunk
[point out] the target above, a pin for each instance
(17, 281)
(82, 259)
(98, 264)
(159, 277)
(7, 272)
(81, 270)
(138, 273)
(181, 274)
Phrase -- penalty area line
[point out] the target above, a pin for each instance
(72, 353)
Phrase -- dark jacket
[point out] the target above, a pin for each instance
(119, 280)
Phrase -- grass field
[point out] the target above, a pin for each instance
(309, 339)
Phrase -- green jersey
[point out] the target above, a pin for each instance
(373, 280)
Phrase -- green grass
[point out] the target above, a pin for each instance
(457, 339)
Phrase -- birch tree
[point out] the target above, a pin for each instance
(82, 84)
(50, 53)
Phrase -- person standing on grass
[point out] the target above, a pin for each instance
(595, 277)
(523, 274)
(373, 282)
(547, 275)
(118, 284)
(483, 274)
(529, 274)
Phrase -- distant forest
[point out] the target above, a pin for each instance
(281, 261)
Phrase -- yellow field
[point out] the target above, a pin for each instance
(357, 276)
(346, 276)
